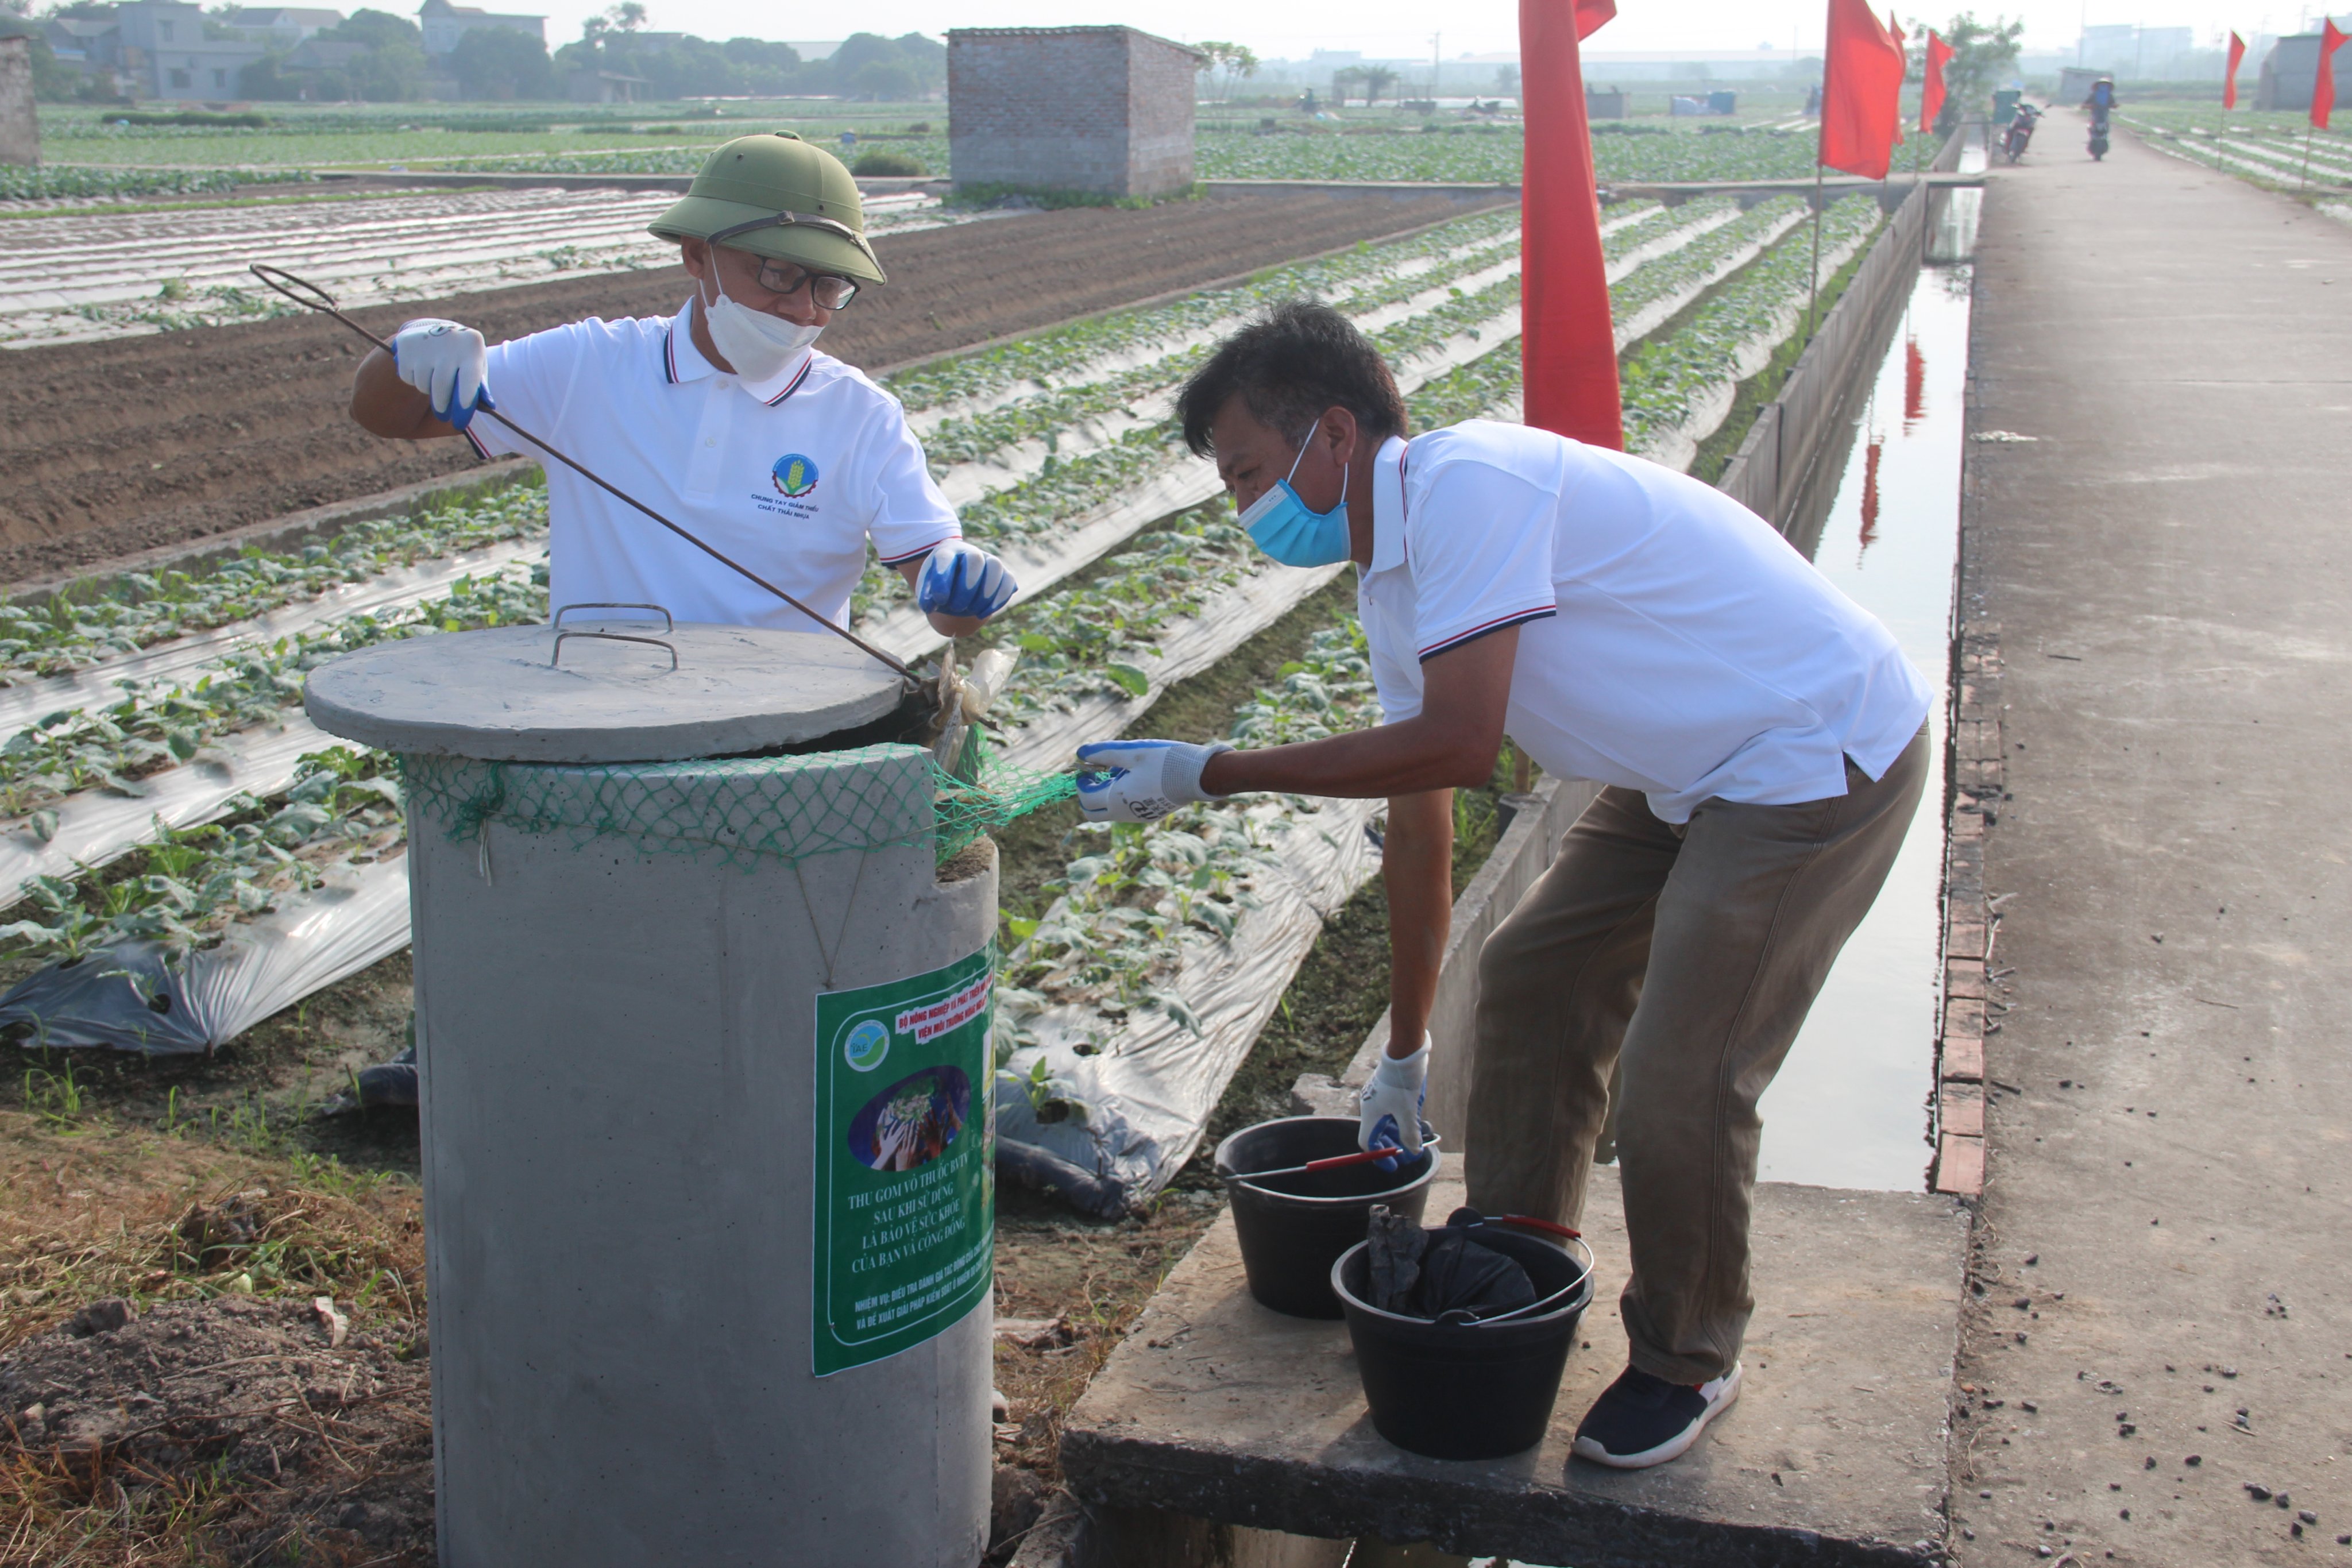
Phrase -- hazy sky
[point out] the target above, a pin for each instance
(1294, 27)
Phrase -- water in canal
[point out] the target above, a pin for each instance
(1849, 1108)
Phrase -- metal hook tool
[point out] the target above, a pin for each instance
(311, 296)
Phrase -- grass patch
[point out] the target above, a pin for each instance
(98, 1207)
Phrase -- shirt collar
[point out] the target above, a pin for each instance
(682, 363)
(1388, 506)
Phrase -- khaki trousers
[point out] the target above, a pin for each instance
(1685, 957)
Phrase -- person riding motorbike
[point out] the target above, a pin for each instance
(2019, 131)
(2101, 99)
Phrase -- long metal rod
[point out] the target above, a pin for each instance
(319, 299)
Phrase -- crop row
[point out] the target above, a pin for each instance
(1112, 942)
(2273, 160)
(973, 438)
(1045, 358)
(52, 182)
(1466, 155)
(1658, 289)
(140, 609)
(149, 729)
(184, 887)
(1663, 380)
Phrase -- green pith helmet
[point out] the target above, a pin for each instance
(769, 181)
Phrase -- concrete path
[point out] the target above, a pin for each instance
(1214, 1407)
(2166, 1242)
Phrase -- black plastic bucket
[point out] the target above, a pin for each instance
(1474, 1390)
(1293, 1228)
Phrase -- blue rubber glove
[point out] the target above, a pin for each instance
(960, 579)
(448, 363)
(1141, 781)
(1388, 1113)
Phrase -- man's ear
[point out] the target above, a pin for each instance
(694, 255)
(1337, 430)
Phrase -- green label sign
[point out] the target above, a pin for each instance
(906, 1160)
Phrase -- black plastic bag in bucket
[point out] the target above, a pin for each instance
(1293, 1228)
(1468, 1391)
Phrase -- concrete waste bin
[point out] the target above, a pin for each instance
(709, 1182)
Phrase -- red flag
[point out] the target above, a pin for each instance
(2322, 84)
(2230, 77)
(1931, 93)
(1567, 344)
(1861, 91)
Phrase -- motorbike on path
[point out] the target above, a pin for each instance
(2098, 137)
(2013, 140)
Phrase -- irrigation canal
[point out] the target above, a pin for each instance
(1851, 1107)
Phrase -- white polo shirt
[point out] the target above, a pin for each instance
(790, 477)
(1671, 642)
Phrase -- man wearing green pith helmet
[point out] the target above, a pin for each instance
(725, 418)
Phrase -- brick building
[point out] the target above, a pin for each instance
(1101, 109)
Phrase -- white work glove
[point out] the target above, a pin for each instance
(1388, 1113)
(1141, 781)
(448, 363)
(960, 579)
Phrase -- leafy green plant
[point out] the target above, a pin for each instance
(1042, 358)
(1661, 381)
(140, 609)
(185, 887)
(50, 181)
(113, 747)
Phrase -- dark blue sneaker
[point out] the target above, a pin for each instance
(1640, 1420)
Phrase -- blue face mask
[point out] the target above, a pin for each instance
(1282, 526)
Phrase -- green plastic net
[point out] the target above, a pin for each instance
(741, 810)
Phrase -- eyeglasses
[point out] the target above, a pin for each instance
(827, 290)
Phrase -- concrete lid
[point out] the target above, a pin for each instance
(494, 694)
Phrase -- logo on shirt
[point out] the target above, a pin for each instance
(795, 476)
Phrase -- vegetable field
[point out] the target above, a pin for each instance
(1375, 148)
(105, 274)
(63, 182)
(2267, 150)
(160, 786)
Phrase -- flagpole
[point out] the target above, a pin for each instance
(1813, 297)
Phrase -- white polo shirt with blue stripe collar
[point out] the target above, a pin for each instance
(790, 476)
(1670, 640)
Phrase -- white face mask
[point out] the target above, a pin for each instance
(760, 346)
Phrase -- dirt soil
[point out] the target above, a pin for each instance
(111, 448)
(238, 1414)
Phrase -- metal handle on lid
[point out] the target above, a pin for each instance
(556, 658)
(669, 622)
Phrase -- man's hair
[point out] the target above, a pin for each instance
(1290, 366)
